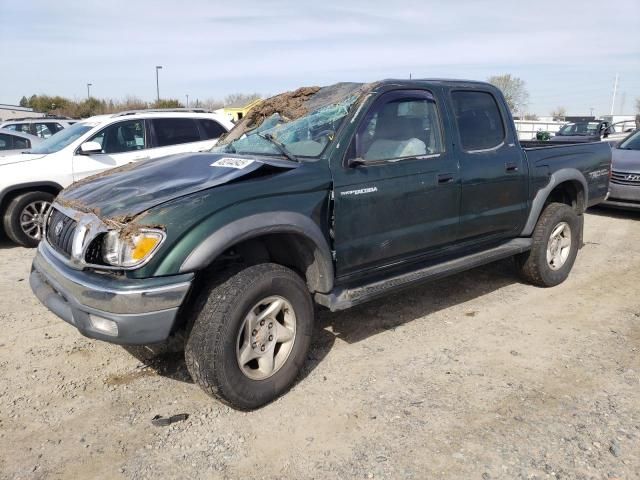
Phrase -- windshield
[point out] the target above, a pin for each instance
(64, 137)
(317, 118)
(582, 128)
(632, 142)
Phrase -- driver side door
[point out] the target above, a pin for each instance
(122, 143)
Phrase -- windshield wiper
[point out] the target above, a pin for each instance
(268, 137)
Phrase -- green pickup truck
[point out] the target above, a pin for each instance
(320, 197)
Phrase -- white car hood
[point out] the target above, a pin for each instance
(20, 157)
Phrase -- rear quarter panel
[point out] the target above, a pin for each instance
(591, 160)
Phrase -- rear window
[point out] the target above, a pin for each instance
(173, 131)
(479, 120)
(211, 128)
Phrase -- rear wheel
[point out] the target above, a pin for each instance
(556, 239)
(25, 216)
(250, 335)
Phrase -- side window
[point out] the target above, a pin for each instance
(478, 118)
(5, 142)
(211, 128)
(43, 130)
(19, 142)
(121, 137)
(54, 127)
(20, 127)
(173, 131)
(406, 126)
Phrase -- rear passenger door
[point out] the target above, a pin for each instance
(400, 201)
(179, 135)
(493, 171)
(122, 142)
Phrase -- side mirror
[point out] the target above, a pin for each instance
(88, 148)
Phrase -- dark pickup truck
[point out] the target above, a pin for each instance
(326, 196)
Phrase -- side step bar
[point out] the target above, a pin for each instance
(343, 298)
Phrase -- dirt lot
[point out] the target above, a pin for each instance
(474, 377)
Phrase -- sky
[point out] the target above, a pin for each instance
(567, 52)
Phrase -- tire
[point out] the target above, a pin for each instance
(534, 266)
(26, 206)
(218, 344)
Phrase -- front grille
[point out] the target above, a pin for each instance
(60, 231)
(625, 178)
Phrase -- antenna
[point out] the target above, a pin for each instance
(615, 88)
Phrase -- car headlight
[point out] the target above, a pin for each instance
(128, 250)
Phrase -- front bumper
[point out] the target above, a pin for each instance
(623, 196)
(144, 310)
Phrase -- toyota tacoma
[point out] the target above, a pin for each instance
(320, 197)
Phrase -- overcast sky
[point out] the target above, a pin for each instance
(568, 51)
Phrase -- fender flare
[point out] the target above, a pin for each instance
(262, 224)
(558, 177)
(20, 186)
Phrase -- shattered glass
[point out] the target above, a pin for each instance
(304, 121)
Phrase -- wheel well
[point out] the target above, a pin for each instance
(52, 189)
(570, 193)
(291, 250)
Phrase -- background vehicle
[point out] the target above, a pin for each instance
(345, 194)
(30, 181)
(40, 127)
(624, 191)
(593, 131)
(12, 142)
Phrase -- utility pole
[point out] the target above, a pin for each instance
(615, 89)
(592, 111)
(158, 67)
(88, 90)
(187, 95)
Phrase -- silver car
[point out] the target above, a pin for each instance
(12, 142)
(624, 189)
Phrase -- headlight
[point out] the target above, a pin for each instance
(130, 250)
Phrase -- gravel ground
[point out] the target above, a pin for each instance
(477, 376)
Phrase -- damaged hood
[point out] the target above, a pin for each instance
(127, 191)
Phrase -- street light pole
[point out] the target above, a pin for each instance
(158, 67)
(187, 95)
(89, 85)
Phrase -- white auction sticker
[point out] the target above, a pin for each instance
(230, 162)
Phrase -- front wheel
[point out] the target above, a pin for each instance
(25, 216)
(250, 335)
(556, 240)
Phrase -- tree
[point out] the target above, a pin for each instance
(24, 102)
(559, 113)
(240, 99)
(513, 89)
(167, 103)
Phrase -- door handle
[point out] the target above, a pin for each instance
(511, 167)
(445, 178)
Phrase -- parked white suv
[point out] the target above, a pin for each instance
(30, 181)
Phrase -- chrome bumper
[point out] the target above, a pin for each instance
(142, 310)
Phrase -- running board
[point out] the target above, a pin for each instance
(343, 298)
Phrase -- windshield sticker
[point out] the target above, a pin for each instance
(229, 162)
